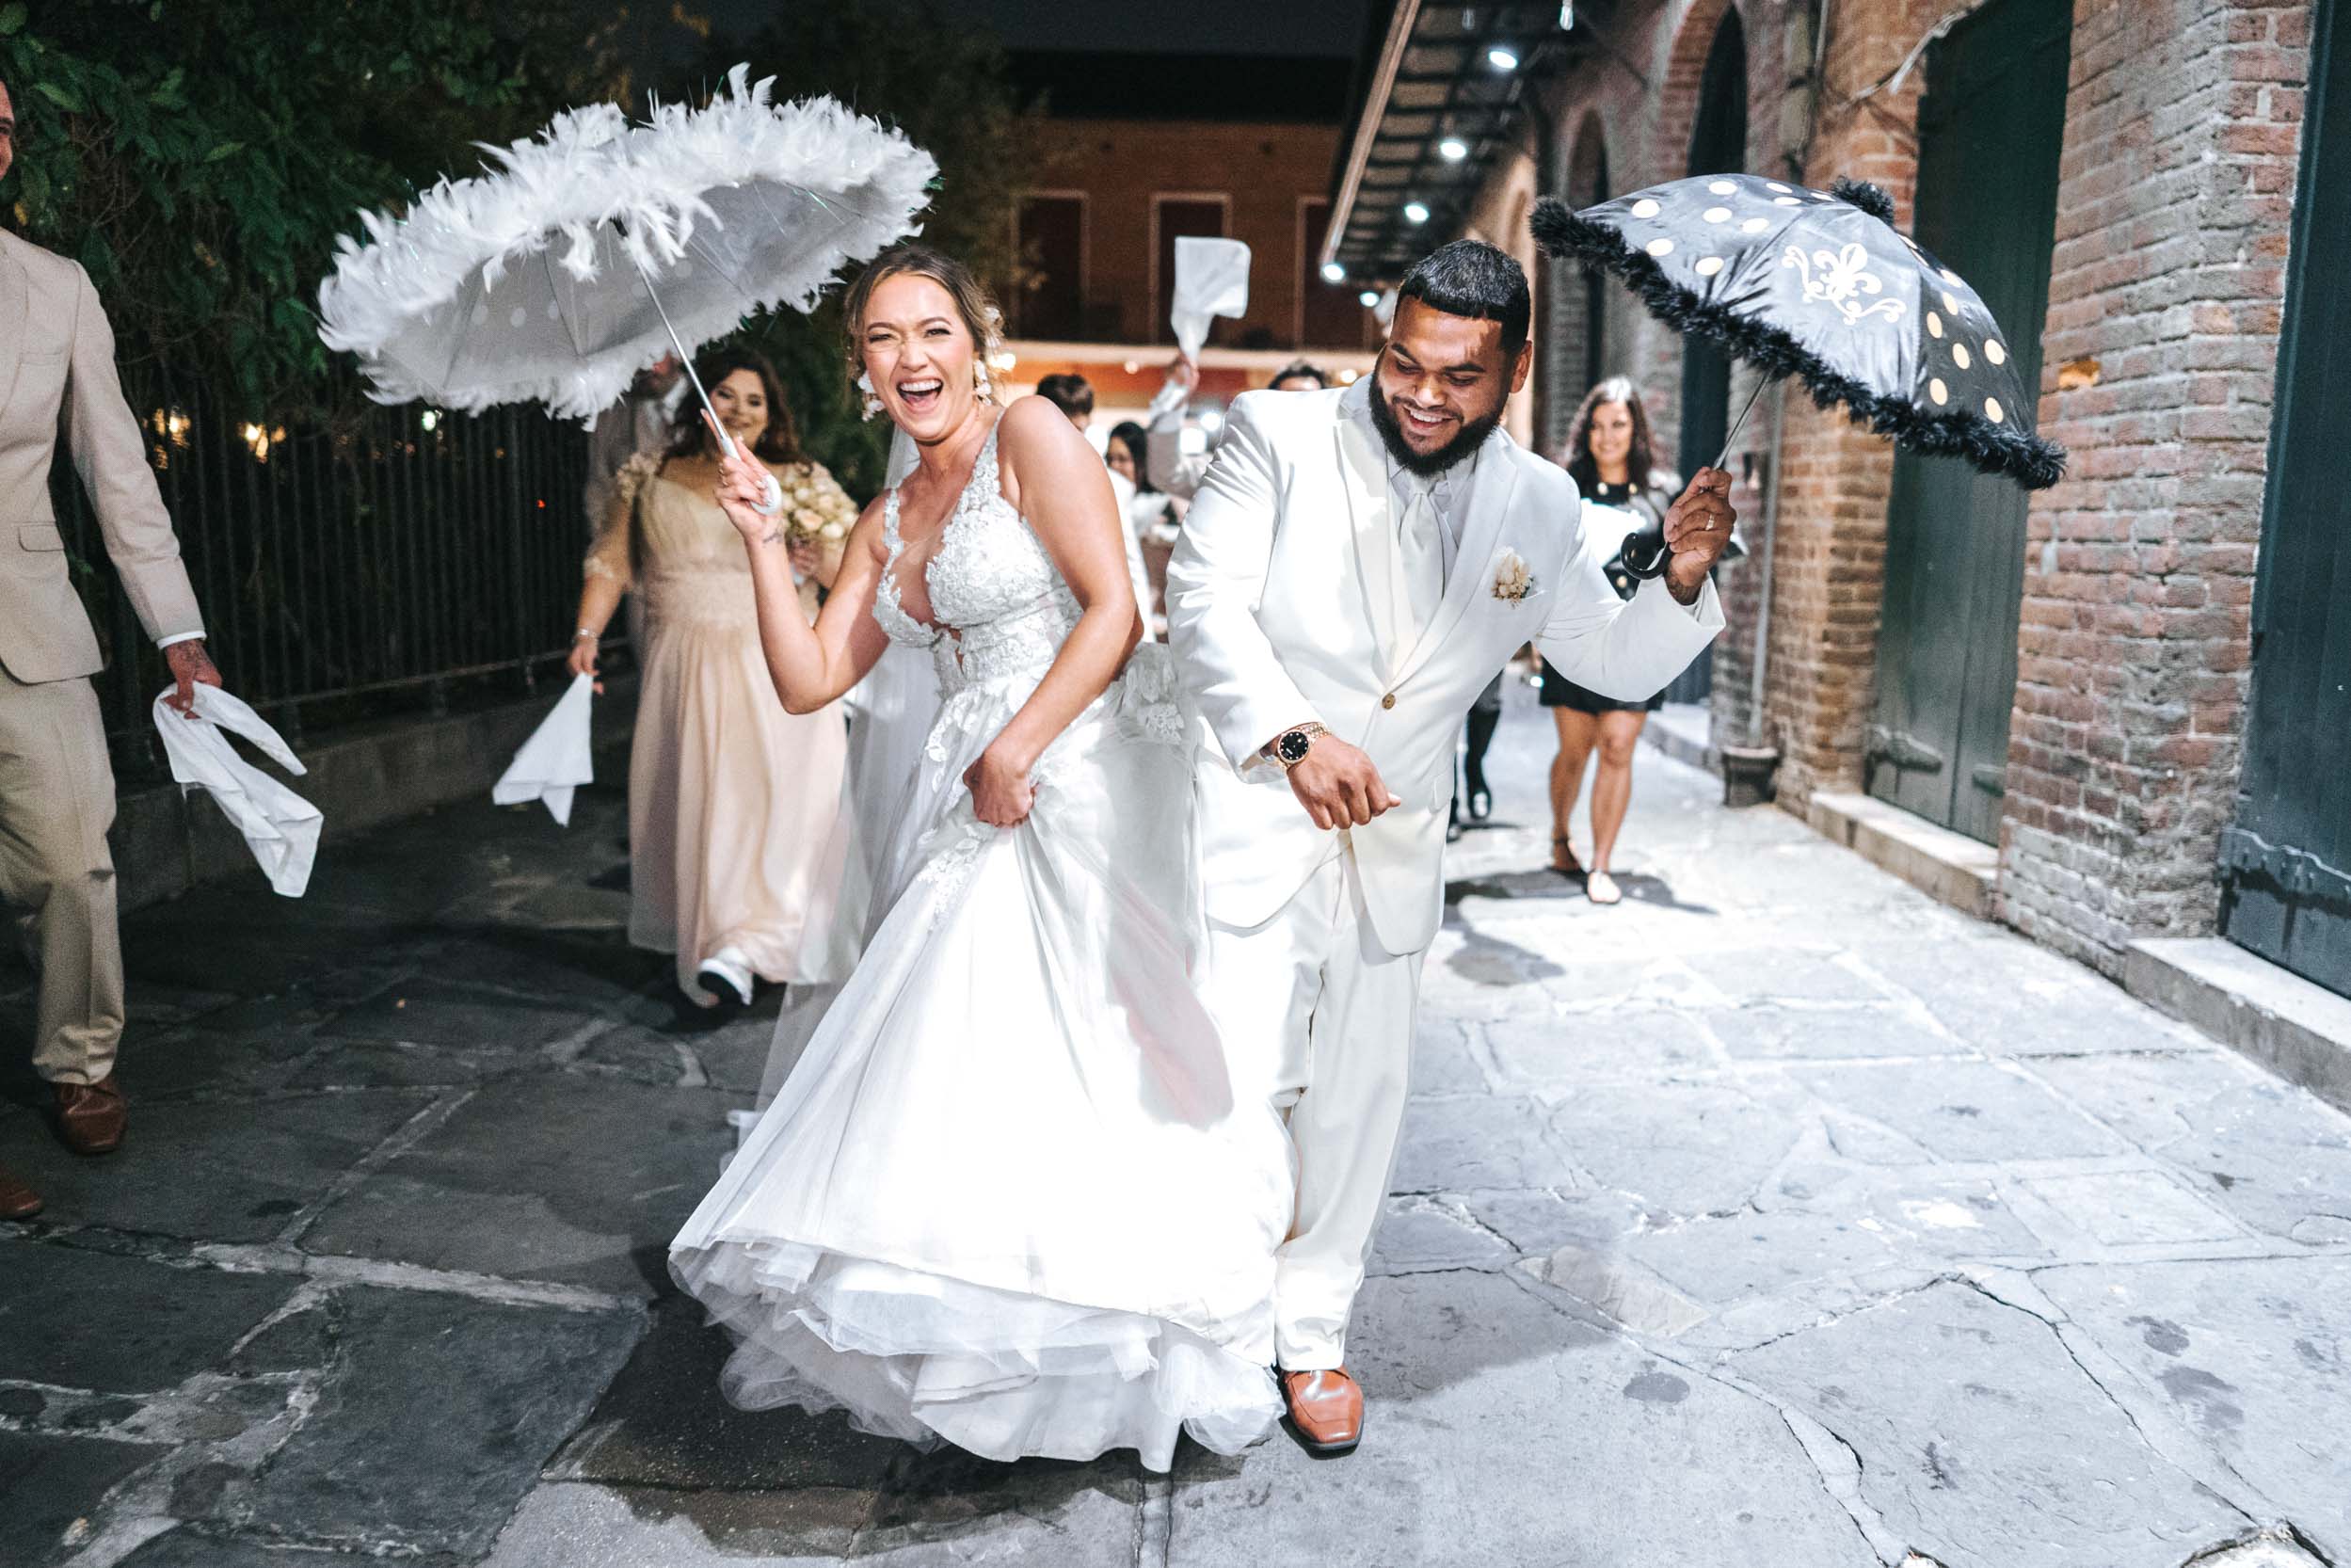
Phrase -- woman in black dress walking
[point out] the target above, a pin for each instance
(1609, 456)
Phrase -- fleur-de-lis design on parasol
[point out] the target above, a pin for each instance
(1844, 274)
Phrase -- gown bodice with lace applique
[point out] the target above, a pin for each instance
(999, 604)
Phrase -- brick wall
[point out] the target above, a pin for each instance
(2173, 209)
(1828, 574)
(1263, 170)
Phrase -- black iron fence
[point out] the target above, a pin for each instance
(352, 566)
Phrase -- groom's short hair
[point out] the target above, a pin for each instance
(1470, 277)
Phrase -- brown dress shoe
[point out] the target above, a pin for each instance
(17, 1201)
(1326, 1407)
(91, 1116)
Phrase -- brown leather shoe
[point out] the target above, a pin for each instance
(17, 1201)
(1326, 1408)
(91, 1116)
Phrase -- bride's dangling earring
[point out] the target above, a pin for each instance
(981, 385)
(872, 399)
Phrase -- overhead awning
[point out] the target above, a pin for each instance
(1444, 94)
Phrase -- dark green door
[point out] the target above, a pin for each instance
(1718, 145)
(2285, 864)
(1990, 126)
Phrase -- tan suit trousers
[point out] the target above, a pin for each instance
(56, 876)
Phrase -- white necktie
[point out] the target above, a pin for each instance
(1420, 581)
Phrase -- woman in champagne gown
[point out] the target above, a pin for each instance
(735, 839)
(1008, 1196)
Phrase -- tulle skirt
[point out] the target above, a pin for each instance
(1008, 1197)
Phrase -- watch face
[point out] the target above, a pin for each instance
(1294, 745)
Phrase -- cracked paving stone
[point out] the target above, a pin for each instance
(2007, 997)
(79, 1319)
(209, 1062)
(53, 1484)
(390, 1064)
(1418, 1234)
(1769, 1033)
(2275, 1156)
(374, 1464)
(188, 1548)
(732, 1056)
(1443, 1062)
(1034, 1514)
(1966, 1111)
(1785, 974)
(1983, 1443)
(1541, 1221)
(1685, 1149)
(2252, 1355)
(433, 1012)
(1931, 1218)
(1455, 1144)
(261, 1164)
(1556, 1056)
(665, 1424)
(2117, 1208)
(1498, 1431)
(575, 1180)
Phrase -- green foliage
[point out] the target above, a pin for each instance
(199, 157)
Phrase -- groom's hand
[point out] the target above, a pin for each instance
(1697, 527)
(1338, 785)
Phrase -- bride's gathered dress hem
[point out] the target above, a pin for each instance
(1008, 1197)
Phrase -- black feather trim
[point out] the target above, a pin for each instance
(2032, 462)
(1869, 198)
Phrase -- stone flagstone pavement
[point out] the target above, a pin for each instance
(1777, 1217)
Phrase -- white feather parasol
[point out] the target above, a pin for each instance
(535, 281)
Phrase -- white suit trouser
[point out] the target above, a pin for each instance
(1319, 1017)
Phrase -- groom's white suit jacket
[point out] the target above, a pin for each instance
(1288, 547)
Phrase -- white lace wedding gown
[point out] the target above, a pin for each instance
(1008, 1197)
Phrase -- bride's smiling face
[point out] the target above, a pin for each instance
(920, 356)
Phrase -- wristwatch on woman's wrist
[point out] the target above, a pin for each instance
(1290, 746)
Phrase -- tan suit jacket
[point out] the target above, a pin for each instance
(58, 378)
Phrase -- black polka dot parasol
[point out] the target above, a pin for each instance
(1821, 285)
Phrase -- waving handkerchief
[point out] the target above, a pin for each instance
(554, 761)
(1211, 279)
(280, 826)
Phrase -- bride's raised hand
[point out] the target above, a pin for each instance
(742, 487)
(1000, 791)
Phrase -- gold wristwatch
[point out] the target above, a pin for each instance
(1290, 746)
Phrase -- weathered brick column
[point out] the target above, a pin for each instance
(2173, 209)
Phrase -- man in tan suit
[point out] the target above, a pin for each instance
(56, 793)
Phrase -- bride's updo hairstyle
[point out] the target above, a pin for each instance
(981, 318)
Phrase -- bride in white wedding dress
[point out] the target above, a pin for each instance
(1008, 1196)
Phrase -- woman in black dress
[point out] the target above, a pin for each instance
(1610, 457)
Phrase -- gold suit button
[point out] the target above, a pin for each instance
(1388, 701)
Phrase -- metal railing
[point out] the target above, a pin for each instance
(349, 567)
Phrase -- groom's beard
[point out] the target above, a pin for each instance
(1473, 435)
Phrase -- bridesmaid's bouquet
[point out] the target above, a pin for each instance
(821, 512)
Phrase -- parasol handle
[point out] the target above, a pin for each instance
(772, 502)
(1643, 551)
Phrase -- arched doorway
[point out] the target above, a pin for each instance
(1718, 145)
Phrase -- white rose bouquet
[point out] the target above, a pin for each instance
(818, 511)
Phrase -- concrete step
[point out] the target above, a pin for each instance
(2299, 1030)
(1948, 867)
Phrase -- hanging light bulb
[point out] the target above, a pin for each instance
(1416, 211)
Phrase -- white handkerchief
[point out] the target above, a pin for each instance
(554, 761)
(280, 826)
(1211, 279)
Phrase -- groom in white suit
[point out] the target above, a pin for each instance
(1357, 566)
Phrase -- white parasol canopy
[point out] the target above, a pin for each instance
(596, 246)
